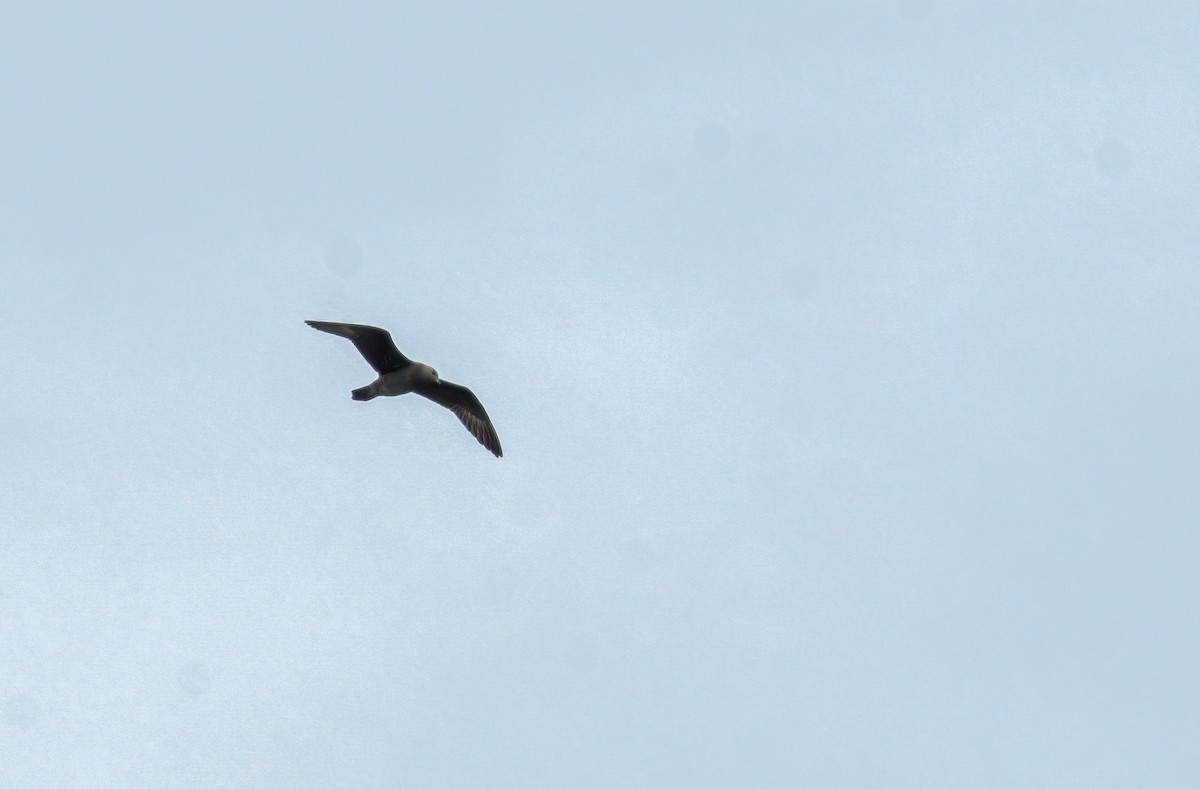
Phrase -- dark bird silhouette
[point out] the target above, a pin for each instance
(399, 375)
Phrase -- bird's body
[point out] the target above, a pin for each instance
(400, 375)
(398, 382)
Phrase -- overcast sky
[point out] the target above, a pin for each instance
(844, 361)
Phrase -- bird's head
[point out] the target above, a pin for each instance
(433, 372)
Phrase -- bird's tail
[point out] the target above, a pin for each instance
(362, 394)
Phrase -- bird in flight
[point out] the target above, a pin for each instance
(399, 375)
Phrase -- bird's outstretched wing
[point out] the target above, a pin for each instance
(466, 406)
(373, 343)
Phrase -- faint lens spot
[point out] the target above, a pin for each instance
(1113, 159)
(916, 10)
(799, 282)
(711, 142)
(343, 257)
(21, 710)
(193, 678)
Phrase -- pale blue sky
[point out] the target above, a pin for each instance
(844, 360)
